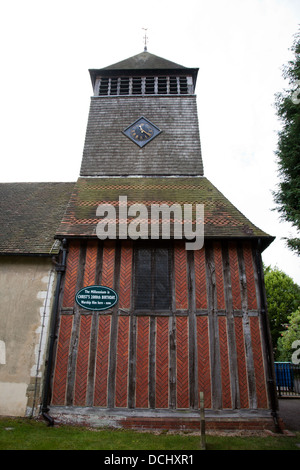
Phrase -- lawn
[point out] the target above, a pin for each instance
(29, 434)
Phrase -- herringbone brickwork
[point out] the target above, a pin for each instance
(142, 363)
(162, 363)
(225, 372)
(182, 362)
(241, 362)
(166, 366)
(235, 278)
(90, 263)
(122, 362)
(102, 356)
(71, 274)
(219, 276)
(251, 291)
(108, 264)
(125, 275)
(62, 359)
(82, 363)
(200, 279)
(204, 382)
(260, 381)
(180, 263)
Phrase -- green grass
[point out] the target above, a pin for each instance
(29, 434)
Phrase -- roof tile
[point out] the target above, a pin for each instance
(29, 216)
(222, 218)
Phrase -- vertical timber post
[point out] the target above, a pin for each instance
(202, 420)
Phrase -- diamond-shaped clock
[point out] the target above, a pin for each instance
(142, 131)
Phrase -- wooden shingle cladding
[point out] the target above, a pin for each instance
(211, 339)
(29, 216)
(176, 151)
(143, 85)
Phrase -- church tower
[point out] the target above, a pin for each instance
(158, 90)
(183, 321)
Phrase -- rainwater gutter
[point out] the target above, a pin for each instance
(268, 341)
(60, 269)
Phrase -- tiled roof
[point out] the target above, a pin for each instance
(144, 60)
(222, 219)
(29, 216)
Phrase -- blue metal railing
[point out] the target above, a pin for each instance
(287, 379)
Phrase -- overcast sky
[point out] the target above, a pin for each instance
(238, 45)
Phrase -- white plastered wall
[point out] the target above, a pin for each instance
(26, 294)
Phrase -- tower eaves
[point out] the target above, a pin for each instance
(144, 61)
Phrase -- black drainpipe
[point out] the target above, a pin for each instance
(60, 269)
(268, 340)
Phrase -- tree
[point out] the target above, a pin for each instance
(287, 105)
(286, 342)
(283, 298)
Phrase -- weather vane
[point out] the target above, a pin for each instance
(145, 39)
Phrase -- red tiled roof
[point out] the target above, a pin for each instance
(222, 219)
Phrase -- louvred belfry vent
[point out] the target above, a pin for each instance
(150, 85)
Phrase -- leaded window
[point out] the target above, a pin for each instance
(152, 286)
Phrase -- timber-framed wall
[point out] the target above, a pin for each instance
(212, 339)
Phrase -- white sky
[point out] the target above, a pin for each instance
(239, 46)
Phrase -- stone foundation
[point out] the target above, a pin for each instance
(258, 420)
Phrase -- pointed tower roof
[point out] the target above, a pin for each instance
(145, 61)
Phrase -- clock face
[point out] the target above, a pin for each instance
(142, 131)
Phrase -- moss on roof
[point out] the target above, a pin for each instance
(29, 216)
(222, 219)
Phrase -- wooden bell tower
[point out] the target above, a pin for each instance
(186, 320)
